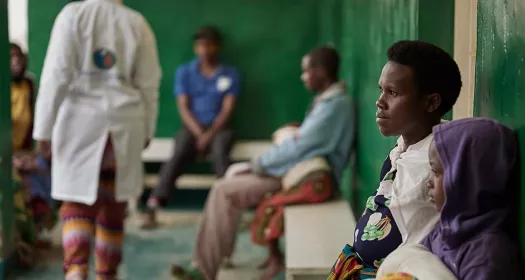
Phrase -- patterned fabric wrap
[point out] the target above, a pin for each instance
(25, 225)
(350, 267)
(268, 223)
(33, 204)
(104, 220)
(398, 276)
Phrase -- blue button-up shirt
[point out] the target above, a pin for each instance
(206, 93)
(327, 131)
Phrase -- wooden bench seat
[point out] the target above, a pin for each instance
(315, 236)
(161, 149)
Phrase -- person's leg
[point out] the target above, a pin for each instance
(268, 225)
(109, 235)
(275, 263)
(220, 154)
(77, 232)
(220, 151)
(218, 227)
(184, 151)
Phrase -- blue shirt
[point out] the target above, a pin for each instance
(206, 93)
(327, 131)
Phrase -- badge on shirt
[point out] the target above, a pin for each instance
(224, 83)
(104, 58)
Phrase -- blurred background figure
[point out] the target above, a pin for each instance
(95, 112)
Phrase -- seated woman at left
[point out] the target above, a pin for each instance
(33, 204)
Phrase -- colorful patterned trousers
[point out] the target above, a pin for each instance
(104, 222)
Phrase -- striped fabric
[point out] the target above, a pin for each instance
(104, 222)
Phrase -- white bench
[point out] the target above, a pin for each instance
(161, 149)
(315, 236)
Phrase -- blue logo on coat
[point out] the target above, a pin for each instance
(104, 58)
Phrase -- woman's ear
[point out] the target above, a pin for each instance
(433, 102)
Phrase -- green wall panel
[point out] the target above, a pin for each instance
(264, 39)
(41, 15)
(6, 186)
(369, 28)
(500, 71)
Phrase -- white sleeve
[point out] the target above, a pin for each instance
(57, 74)
(147, 75)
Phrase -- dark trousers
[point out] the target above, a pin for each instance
(185, 152)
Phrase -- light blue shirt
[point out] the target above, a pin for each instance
(327, 131)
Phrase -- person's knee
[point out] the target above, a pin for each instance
(222, 143)
(218, 186)
(184, 142)
(221, 189)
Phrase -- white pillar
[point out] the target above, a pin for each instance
(465, 36)
(18, 21)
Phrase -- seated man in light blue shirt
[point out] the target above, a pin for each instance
(206, 91)
(327, 132)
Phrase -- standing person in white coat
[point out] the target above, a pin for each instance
(95, 112)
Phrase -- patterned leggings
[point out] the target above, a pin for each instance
(105, 221)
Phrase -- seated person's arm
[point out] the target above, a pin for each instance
(184, 102)
(189, 120)
(228, 104)
(317, 136)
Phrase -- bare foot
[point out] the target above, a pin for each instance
(275, 266)
(264, 264)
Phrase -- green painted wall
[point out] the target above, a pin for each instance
(369, 28)
(6, 186)
(500, 71)
(264, 39)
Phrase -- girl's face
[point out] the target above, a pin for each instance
(435, 181)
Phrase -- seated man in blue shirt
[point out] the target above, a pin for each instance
(206, 92)
(327, 131)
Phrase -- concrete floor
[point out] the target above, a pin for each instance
(149, 254)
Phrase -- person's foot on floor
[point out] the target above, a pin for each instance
(275, 266)
(264, 264)
(149, 219)
(185, 273)
(227, 263)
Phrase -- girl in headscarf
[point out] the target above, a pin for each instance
(472, 184)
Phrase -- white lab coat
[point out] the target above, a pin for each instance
(80, 104)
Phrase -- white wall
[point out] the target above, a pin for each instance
(17, 15)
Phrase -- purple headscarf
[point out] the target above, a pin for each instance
(472, 237)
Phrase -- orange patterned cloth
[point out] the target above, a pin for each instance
(268, 223)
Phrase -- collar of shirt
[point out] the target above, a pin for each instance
(195, 69)
(423, 144)
(113, 1)
(333, 90)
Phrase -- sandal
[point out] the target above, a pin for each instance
(181, 273)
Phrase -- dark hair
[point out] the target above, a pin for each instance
(16, 46)
(327, 58)
(435, 71)
(208, 32)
